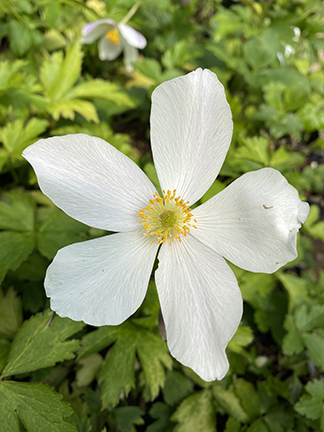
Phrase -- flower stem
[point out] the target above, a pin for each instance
(131, 12)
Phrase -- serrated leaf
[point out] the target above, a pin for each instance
(292, 342)
(39, 344)
(153, 354)
(101, 89)
(315, 345)
(296, 287)
(68, 108)
(262, 50)
(249, 398)
(309, 320)
(242, 338)
(255, 149)
(196, 413)
(230, 403)
(20, 38)
(59, 74)
(15, 248)
(18, 214)
(176, 388)
(57, 231)
(311, 405)
(127, 417)
(161, 412)
(35, 405)
(117, 375)
(17, 135)
(11, 316)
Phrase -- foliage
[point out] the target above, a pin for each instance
(57, 374)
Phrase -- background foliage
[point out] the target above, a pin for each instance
(60, 375)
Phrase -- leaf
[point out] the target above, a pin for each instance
(229, 403)
(15, 248)
(315, 345)
(117, 375)
(17, 135)
(68, 108)
(176, 388)
(262, 50)
(57, 231)
(161, 412)
(242, 338)
(311, 405)
(196, 413)
(296, 287)
(292, 342)
(249, 397)
(127, 417)
(35, 405)
(255, 149)
(58, 74)
(40, 345)
(20, 38)
(11, 316)
(18, 214)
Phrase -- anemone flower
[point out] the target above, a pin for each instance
(113, 39)
(253, 223)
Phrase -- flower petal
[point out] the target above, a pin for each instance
(132, 36)
(95, 30)
(191, 130)
(254, 221)
(108, 50)
(130, 56)
(201, 305)
(101, 281)
(90, 180)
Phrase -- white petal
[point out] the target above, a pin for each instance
(95, 30)
(132, 36)
(101, 281)
(254, 221)
(108, 50)
(201, 305)
(90, 180)
(191, 130)
(130, 56)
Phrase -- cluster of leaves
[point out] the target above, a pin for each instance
(57, 374)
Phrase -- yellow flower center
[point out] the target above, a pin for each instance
(166, 219)
(113, 36)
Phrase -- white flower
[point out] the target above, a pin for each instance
(252, 223)
(113, 39)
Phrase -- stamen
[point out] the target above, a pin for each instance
(166, 220)
(113, 36)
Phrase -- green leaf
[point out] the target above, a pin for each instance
(20, 38)
(118, 372)
(58, 74)
(315, 345)
(232, 425)
(18, 214)
(196, 413)
(262, 50)
(229, 403)
(35, 405)
(249, 397)
(11, 316)
(242, 338)
(17, 135)
(68, 108)
(127, 417)
(292, 342)
(255, 149)
(4, 351)
(117, 375)
(311, 405)
(311, 319)
(57, 231)
(161, 412)
(176, 388)
(15, 248)
(40, 344)
(296, 287)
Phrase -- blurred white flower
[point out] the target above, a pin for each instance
(114, 38)
(252, 223)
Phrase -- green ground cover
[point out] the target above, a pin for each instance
(61, 375)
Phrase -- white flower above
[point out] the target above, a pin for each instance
(252, 223)
(114, 38)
